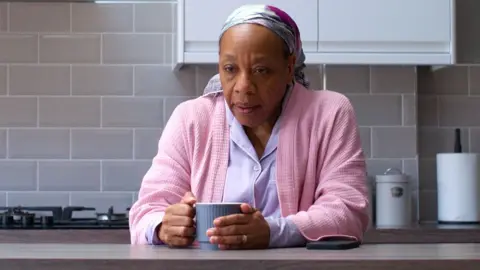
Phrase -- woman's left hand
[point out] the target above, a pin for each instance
(248, 230)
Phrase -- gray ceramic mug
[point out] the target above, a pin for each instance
(205, 214)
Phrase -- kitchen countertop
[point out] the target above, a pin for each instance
(429, 233)
(126, 257)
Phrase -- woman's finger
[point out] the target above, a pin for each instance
(181, 231)
(230, 240)
(235, 219)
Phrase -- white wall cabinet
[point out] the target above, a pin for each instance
(416, 32)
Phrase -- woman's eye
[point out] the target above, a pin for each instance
(261, 70)
(228, 69)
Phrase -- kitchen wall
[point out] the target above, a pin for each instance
(447, 99)
(85, 90)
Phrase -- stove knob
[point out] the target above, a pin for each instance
(28, 220)
(47, 221)
(6, 220)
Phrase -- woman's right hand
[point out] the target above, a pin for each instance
(178, 228)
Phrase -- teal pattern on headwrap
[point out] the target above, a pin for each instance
(277, 21)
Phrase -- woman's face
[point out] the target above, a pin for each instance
(254, 71)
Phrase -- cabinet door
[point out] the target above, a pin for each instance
(390, 26)
(203, 20)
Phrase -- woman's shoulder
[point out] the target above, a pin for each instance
(197, 111)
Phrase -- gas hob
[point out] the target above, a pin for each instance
(59, 218)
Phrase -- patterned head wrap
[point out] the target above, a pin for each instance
(277, 21)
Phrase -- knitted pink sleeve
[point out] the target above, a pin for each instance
(167, 180)
(341, 197)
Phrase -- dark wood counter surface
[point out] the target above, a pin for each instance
(418, 234)
(126, 257)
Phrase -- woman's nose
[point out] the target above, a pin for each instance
(243, 85)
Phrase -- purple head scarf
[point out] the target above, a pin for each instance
(277, 21)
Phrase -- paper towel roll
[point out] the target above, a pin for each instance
(458, 187)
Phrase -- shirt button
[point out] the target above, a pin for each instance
(256, 168)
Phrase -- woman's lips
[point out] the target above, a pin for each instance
(247, 109)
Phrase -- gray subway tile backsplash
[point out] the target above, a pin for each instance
(146, 143)
(156, 80)
(75, 111)
(154, 17)
(474, 137)
(85, 94)
(102, 80)
(70, 48)
(458, 111)
(132, 112)
(394, 142)
(377, 110)
(32, 143)
(68, 175)
(18, 175)
(3, 143)
(3, 80)
(348, 79)
(3, 20)
(393, 79)
(42, 17)
(102, 144)
(409, 106)
(42, 80)
(133, 48)
(18, 48)
(18, 111)
(123, 175)
(106, 17)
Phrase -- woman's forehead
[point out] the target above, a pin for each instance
(251, 35)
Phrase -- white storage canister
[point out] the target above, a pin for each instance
(393, 200)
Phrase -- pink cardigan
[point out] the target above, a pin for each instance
(321, 171)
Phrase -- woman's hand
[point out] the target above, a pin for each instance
(248, 230)
(177, 228)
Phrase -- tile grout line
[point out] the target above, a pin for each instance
(101, 48)
(8, 17)
(37, 163)
(101, 175)
(133, 18)
(38, 112)
(469, 139)
(71, 79)
(7, 79)
(371, 142)
(402, 109)
(7, 141)
(469, 94)
(71, 17)
(134, 70)
(164, 49)
(70, 143)
(38, 48)
(133, 143)
(370, 80)
(101, 113)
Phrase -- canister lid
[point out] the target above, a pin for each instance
(392, 175)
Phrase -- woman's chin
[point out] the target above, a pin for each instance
(249, 121)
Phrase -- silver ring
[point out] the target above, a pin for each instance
(244, 239)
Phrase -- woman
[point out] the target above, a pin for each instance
(258, 136)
